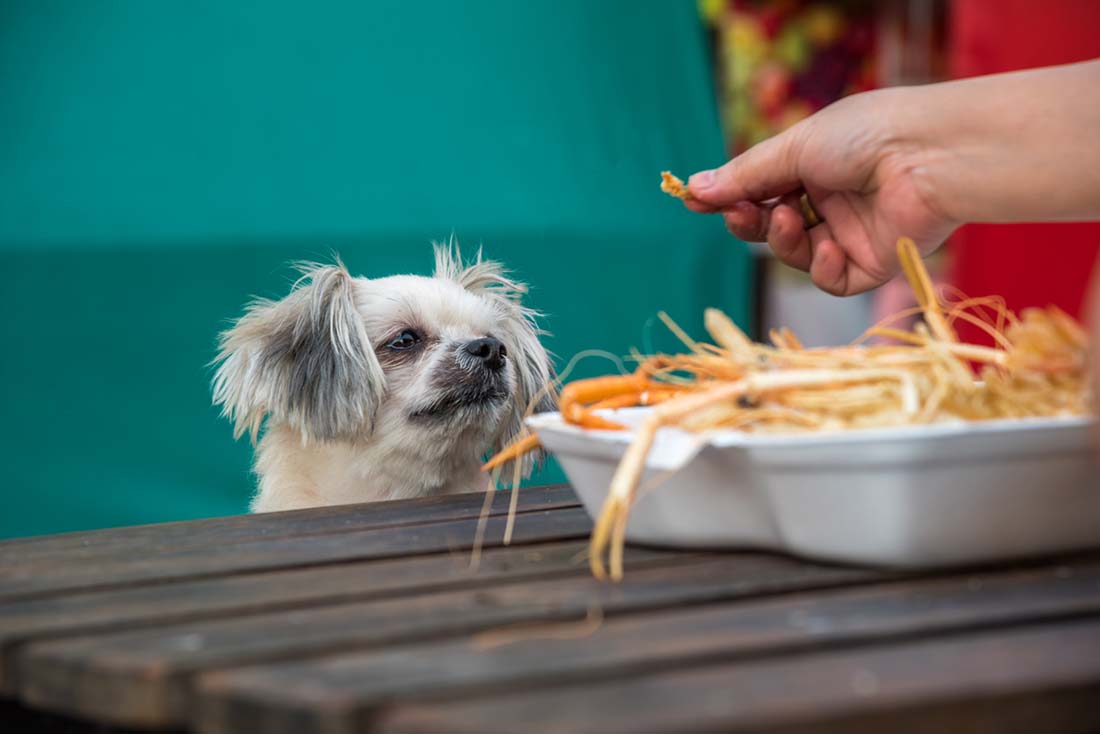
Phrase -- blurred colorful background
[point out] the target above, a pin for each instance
(777, 62)
(161, 163)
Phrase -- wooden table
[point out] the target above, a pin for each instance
(369, 619)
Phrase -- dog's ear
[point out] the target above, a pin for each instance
(305, 359)
(536, 388)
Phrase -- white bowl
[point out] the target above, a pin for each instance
(913, 496)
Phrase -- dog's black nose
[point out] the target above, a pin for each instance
(488, 350)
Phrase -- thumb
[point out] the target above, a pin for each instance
(766, 170)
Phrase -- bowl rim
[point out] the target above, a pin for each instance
(552, 421)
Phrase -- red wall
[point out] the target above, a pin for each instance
(1029, 264)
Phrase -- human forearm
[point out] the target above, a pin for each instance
(1023, 146)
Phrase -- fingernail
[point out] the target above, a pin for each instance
(702, 180)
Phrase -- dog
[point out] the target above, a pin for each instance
(387, 388)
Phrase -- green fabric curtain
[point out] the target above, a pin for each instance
(162, 162)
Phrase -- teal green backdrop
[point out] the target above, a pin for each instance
(160, 162)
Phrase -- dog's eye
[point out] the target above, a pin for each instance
(407, 340)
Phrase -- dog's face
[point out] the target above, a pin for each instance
(443, 350)
(453, 359)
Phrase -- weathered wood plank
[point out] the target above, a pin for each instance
(299, 692)
(25, 581)
(145, 678)
(1018, 680)
(223, 531)
(130, 608)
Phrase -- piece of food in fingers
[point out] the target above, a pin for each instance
(673, 186)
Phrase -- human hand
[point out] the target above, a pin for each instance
(864, 174)
(915, 162)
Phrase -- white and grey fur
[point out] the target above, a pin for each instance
(351, 419)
